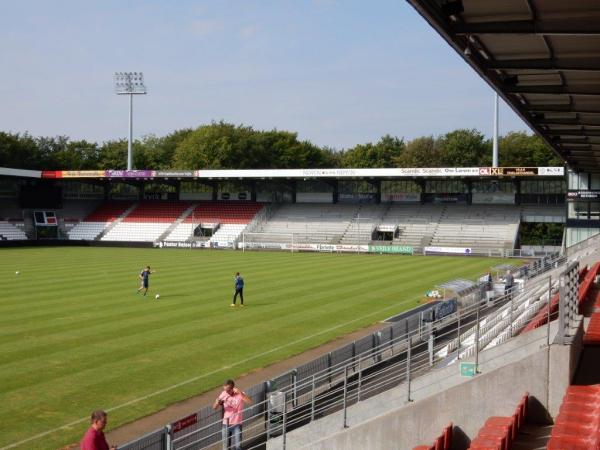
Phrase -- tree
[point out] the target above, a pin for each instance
(463, 148)
(420, 152)
(113, 155)
(382, 154)
(19, 151)
(519, 149)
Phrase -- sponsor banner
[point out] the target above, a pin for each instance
(174, 173)
(52, 174)
(409, 197)
(173, 244)
(445, 198)
(496, 198)
(521, 171)
(359, 197)
(263, 245)
(351, 248)
(130, 173)
(551, 171)
(453, 250)
(398, 249)
(583, 195)
(83, 174)
(303, 247)
(181, 424)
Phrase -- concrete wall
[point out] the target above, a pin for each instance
(387, 421)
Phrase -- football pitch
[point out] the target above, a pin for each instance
(75, 336)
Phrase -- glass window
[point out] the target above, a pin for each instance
(594, 210)
(578, 210)
(595, 181)
(578, 181)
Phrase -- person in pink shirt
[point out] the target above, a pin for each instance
(232, 400)
(94, 438)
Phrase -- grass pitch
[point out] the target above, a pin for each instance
(75, 337)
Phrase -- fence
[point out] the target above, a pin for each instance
(395, 355)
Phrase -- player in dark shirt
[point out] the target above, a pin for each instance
(145, 278)
(238, 284)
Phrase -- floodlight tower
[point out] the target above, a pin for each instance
(129, 83)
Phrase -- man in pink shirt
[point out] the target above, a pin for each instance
(94, 437)
(232, 400)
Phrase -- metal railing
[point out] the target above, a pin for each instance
(394, 356)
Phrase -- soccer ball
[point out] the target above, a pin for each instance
(157, 296)
(17, 272)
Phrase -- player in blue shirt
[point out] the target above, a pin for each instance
(144, 278)
(238, 284)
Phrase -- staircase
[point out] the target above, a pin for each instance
(180, 219)
(114, 223)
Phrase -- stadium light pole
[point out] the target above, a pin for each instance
(129, 83)
(495, 137)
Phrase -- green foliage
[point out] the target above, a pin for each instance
(222, 145)
(225, 146)
(541, 233)
(519, 149)
(463, 148)
(382, 154)
(420, 152)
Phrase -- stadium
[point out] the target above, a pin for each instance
(397, 307)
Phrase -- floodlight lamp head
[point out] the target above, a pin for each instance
(129, 83)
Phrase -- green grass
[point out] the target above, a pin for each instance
(74, 336)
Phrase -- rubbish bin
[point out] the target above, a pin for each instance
(276, 405)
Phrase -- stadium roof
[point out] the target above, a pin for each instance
(541, 56)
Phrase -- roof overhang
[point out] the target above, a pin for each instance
(541, 56)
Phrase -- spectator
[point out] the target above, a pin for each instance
(232, 400)
(509, 281)
(94, 438)
(488, 281)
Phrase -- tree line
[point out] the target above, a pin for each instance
(222, 145)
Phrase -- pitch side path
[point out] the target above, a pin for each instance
(75, 336)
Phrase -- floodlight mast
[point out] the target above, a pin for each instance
(129, 83)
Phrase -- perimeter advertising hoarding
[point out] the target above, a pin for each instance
(397, 249)
(453, 250)
(417, 172)
(174, 173)
(130, 173)
(82, 174)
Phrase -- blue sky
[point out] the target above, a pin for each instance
(337, 72)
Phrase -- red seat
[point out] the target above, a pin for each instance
(480, 443)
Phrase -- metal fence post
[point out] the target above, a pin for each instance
(295, 389)
(284, 437)
(168, 438)
(477, 339)
(458, 336)
(430, 348)
(548, 318)
(511, 311)
(561, 309)
(408, 352)
(345, 396)
(359, 379)
(312, 401)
